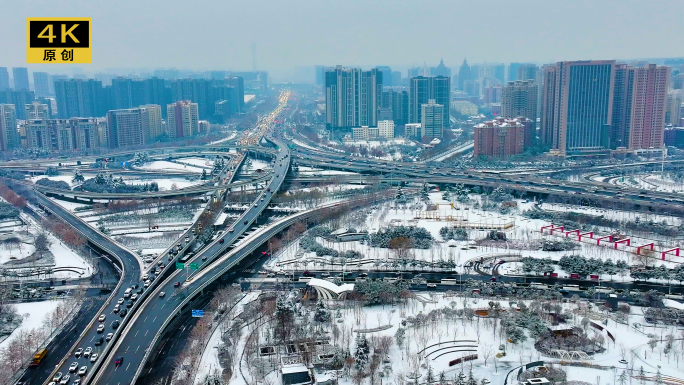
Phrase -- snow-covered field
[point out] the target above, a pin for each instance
(33, 313)
(64, 178)
(161, 165)
(167, 183)
(456, 336)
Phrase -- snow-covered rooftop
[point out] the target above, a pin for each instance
(322, 283)
(293, 368)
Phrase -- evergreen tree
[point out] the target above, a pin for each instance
(204, 174)
(78, 177)
(430, 375)
(471, 379)
(361, 354)
(622, 380)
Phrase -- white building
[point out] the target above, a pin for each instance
(413, 130)
(364, 133)
(386, 128)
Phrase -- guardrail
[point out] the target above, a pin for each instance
(250, 247)
(106, 303)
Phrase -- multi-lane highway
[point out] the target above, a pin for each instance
(96, 335)
(140, 334)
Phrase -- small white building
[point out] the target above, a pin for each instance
(386, 128)
(328, 290)
(413, 130)
(364, 133)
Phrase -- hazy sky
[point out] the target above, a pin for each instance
(290, 34)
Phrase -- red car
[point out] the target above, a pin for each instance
(221, 240)
(118, 361)
(176, 284)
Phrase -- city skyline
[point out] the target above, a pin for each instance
(293, 39)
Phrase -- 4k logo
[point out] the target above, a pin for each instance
(59, 40)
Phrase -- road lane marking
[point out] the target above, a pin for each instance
(155, 318)
(136, 333)
(129, 364)
(146, 331)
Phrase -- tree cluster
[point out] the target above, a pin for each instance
(12, 197)
(582, 266)
(53, 183)
(106, 183)
(457, 234)
(419, 236)
(8, 211)
(375, 292)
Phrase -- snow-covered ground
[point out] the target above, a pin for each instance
(379, 143)
(167, 183)
(199, 162)
(161, 165)
(481, 335)
(523, 235)
(32, 313)
(64, 178)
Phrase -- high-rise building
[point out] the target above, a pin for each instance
(386, 76)
(639, 106)
(85, 133)
(4, 79)
(440, 70)
(396, 78)
(386, 128)
(352, 97)
(19, 99)
(8, 127)
(513, 71)
(519, 98)
(464, 75)
(677, 82)
(498, 138)
(154, 122)
(675, 98)
(492, 95)
(499, 73)
(79, 98)
(432, 120)
(399, 102)
(41, 84)
(647, 124)
(21, 78)
(422, 89)
(50, 134)
(413, 130)
(182, 119)
(37, 110)
(577, 106)
(320, 75)
(527, 72)
(128, 127)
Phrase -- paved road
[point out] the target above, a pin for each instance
(131, 275)
(61, 344)
(142, 330)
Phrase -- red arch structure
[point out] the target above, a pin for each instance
(622, 241)
(599, 239)
(676, 250)
(651, 245)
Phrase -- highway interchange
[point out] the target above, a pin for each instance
(133, 341)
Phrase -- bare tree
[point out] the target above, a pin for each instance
(487, 351)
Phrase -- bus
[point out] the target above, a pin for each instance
(38, 357)
(186, 257)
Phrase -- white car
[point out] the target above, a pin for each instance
(78, 352)
(134, 297)
(145, 277)
(101, 318)
(82, 371)
(109, 336)
(86, 353)
(120, 301)
(146, 284)
(64, 380)
(73, 367)
(57, 377)
(93, 357)
(162, 294)
(100, 328)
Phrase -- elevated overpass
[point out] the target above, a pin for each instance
(137, 340)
